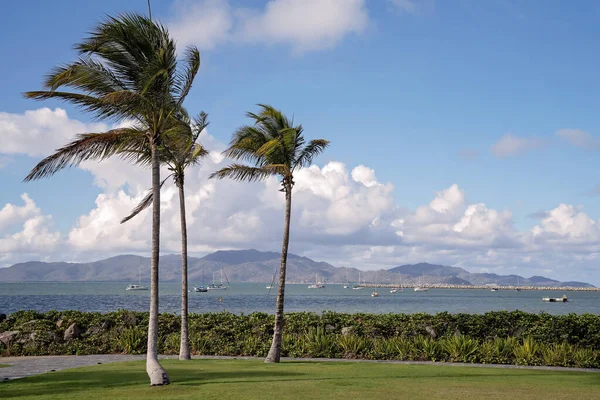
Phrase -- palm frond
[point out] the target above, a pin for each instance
(242, 172)
(89, 146)
(184, 80)
(312, 149)
(145, 203)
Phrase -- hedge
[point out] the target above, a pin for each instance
(495, 337)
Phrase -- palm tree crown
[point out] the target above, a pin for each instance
(273, 145)
(126, 71)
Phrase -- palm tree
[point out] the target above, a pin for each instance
(274, 147)
(126, 71)
(178, 152)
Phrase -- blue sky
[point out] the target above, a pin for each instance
(427, 94)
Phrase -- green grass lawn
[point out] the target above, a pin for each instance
(241, 379)
(4, 365)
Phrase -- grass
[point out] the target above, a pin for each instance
(4, 365)
(251, 379)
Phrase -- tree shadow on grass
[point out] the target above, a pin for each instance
(70, 382)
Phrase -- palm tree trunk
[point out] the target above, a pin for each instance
(184, 348)
(157, 374)
(274, 354)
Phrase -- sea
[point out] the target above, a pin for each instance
(250, 297)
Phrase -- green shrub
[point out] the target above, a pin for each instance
(527, 352)
(132, 340)
(585, 358)
(461, 349)
(353, 346)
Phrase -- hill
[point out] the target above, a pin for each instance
(255, 266)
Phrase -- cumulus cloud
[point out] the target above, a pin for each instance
(342, 214)
(34, 237)
(511, 145)
(304, 25)
(579, 138)
(39, 132)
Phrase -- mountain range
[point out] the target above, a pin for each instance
(256, 266)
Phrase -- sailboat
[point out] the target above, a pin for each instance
(139, 285)
(518, 289)
(421, 288)
(317, 284)
(357, 287)
(397, 289)
(374, 292)
(270, 285)
(201, 289)
(347, 284)
(218, 286)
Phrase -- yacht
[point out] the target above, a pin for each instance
(396, 290)
(421, 288)
(202, 288)
(357, 286)
(218, 286)
(317, 284)
(139, 285)
(374, 294)
(136, 287)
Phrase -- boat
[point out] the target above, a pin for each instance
(374, 292)
(495, 288)
(201, 289)
(317, 284)
(518, 289)
(136, 287)
(269, 287)
(272, 284)
(397, 288)
(421, 288)
(357, 286)
(555, 299)
(218, 286)
(139, 285)
(347, 284)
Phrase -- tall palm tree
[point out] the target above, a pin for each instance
(126, 71)
(179, 151)
(274, 147)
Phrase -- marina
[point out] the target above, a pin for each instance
(253, 297)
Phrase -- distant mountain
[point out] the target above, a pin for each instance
(256, 266)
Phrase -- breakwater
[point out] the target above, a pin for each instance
(483, 287)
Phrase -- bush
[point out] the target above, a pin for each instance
(495, 337)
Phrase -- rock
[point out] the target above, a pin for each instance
(72, 332)
(60, 323)
(2, 317)
(107, 324)
(347, 330)
(8, 336)
(431, 331)
(329, 327)
(457, 332)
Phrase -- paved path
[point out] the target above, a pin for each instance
(26, 366)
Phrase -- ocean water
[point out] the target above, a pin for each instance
(247, 298)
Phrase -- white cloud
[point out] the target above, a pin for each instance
(34, 238)
(413, 6)
(203, 24)
(340, 214)
(304, 25)
(39, 132)
(579, 138)
(511, 145)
